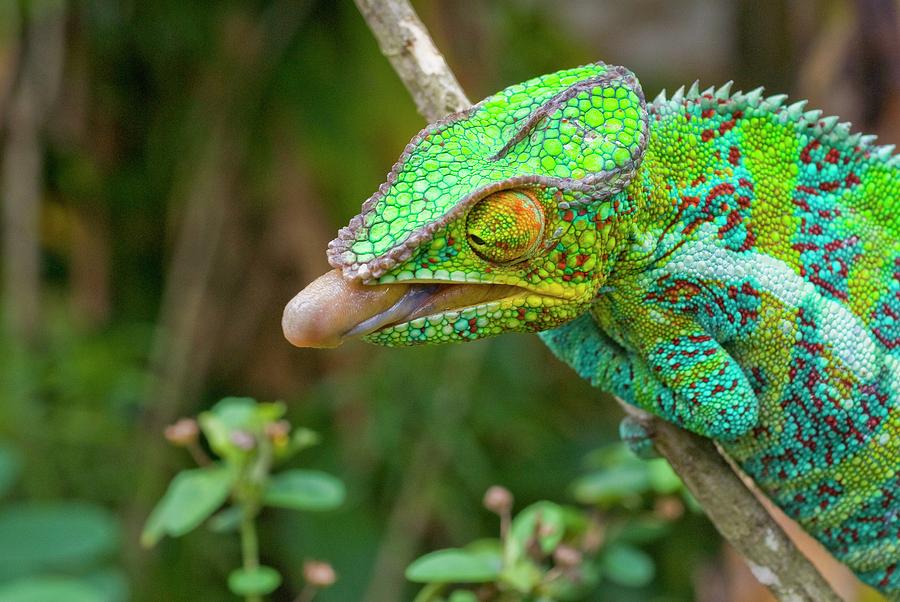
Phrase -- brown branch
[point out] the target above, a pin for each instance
(737, 514)
(406, 43)
(730, 505)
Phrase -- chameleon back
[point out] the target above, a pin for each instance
(789, 245)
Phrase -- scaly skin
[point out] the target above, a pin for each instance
(724, 261)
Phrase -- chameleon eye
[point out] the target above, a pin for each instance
(505, 226)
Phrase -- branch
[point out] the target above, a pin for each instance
(735, 511)
(408, 46)
(731, 506)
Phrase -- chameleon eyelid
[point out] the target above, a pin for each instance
(512, 201)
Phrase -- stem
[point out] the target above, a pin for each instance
(254, 479)
(306, 594)
(250, 543)
(199, 456)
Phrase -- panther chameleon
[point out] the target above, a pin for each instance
(724, 260)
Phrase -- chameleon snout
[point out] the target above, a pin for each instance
(331, 307)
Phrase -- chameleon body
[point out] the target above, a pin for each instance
(726, 261)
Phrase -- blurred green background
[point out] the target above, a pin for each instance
(171, 173)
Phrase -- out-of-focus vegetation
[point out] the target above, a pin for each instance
(550, 552)
(170, 173)
(250, 440)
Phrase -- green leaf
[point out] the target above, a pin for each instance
(663, 479)
(575, 586)
(236, 412)
(111, 582)
(46, 589)
(229, 415)
(462, 595)
(245, 413)
(643, 530)
(455, 565)
(522, 576)
(303, 438)
(431, 592)
(612, 485)
(192, 496)
(627, 565)
(269, 411)
(50, 536)
(300, 489)
(10, 467)
(227, 520)
(552, 521)
(611, 456)
(260, 581)
(485, 545)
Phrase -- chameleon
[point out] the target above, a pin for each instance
(724, 260)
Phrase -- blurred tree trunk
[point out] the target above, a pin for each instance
(203, 272)
(86, 135)
(33, 94)
(10, 22)
(852, 65)
(763, 44)
(89, 269)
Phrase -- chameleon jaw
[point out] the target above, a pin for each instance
(332, 308)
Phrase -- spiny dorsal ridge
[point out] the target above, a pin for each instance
(724, 91)
(867, 140)
(795, 111)
(885, 152)
(753, 96)
(811, 117)
(694, 91)
(776, 101)
(842, 129)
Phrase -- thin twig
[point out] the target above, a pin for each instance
(406, 43)
(730, 505)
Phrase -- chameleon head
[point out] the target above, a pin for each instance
(504, 217)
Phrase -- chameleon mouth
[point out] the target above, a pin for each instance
(332, 309)
(430, 299)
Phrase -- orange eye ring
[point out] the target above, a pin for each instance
(506, 226)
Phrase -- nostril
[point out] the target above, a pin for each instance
(476, 239)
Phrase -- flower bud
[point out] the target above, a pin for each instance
(278, 432)
(668, 508)
(545, 529)
(566, 556)
(498, 499)
(243, 440)
(319, 574)
(184, 432)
